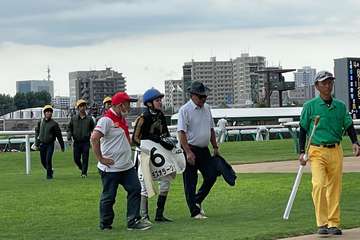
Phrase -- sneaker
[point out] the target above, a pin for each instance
(199, 217)
(201, 209)
(106, 228)
(139, 225)
(83, 176)
(334, 231)
(146, 219)
(323, 230)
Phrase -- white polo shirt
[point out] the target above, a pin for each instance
(222, 123)
(114, 145)
(196, 122)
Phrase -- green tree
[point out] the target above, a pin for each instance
(20, 101)
(6, 104)
(42, 98)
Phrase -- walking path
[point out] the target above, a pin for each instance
(350, 234)
(351, 164)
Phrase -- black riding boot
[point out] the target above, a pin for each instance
(160, 209)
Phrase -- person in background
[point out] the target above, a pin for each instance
(79, 129)
(151, 124)
(111, 145)
(46, 132)
(325, 152)
(222, 123)
(195, 131)
(106, 105)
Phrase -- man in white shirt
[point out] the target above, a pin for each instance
(195, 130)
(222, 123)
(111, 145)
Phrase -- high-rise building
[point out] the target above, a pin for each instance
(247, 82)
(26, 86)
(61, 102)
(304, 76)
(93, 86)
(216, 75)
(174, 98)
(300, 95)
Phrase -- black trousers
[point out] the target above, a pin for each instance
(46, 153)
(81, 150)
(110, 181)
(205, 164)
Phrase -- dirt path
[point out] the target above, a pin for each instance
(350, 234)
(351, 164)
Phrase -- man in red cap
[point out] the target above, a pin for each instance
(115, 164)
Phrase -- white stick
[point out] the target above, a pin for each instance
(293, 192)
(299, 174)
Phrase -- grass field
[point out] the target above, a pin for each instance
(67, 206)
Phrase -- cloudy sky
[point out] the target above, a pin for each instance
(149, 40)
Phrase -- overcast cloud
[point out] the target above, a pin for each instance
(75, 23)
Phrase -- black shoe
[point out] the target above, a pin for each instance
(106, 228)
(323, 230)
(139, 225)
(49, 177)
(162, 219)
(334, 231)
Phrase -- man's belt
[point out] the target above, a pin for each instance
(325, 145)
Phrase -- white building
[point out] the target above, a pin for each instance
(247, 83)
(174, 97)
(216, 75)
(304, 76)
(61, 102)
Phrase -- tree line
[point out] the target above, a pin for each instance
(23, 101)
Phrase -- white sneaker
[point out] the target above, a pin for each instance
(201, 209)
(199, 217)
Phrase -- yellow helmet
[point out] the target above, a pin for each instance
(106, 99)
(48, 107)
(79, 102)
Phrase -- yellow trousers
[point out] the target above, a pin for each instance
(326, 168)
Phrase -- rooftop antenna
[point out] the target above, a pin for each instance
(48, 73)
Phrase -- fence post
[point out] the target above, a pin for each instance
(28, 156)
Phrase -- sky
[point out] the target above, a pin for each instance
(149, 41)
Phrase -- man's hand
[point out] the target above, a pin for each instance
(106, 161)
(302, 160)
(190, 157)
(356, 149)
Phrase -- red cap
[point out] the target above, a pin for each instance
(121, 97)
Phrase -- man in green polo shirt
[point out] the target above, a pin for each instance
(325, 152)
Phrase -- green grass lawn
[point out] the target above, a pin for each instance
(266, 151)
(67, 206)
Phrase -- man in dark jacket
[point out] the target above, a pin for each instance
(79, 129)
(46, 132)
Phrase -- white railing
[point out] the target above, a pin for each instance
(26, 140)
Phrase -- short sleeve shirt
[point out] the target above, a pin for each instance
(196, 122)
(334, 120)
(114, 145)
